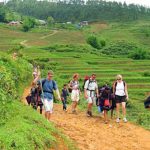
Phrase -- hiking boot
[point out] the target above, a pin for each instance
(117, 120)
(74, 112)
(88, 113)
(125, 120)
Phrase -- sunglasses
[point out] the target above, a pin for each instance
(119, 79)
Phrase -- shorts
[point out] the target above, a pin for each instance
(91, 100)
(75, 95)
(120, 99)
(48, 105)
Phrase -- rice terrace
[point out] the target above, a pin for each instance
(55, 45)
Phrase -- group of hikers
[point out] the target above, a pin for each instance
(106, 98)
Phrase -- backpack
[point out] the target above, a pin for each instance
(85, 79)
(90, 81)
(70, 87)
(43, 82)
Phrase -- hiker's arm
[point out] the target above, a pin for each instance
(97, 94)
(58, 94)
(85, 94)
(113, 88)
(36, 79)
(126, 92)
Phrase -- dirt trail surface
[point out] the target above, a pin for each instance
(93, 134)
(51, 34)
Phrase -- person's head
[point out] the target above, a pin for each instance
(50, 74)
(119, 77)
(65, 86)
(93, 76)
(76, 76)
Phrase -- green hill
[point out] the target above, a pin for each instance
(66, 52)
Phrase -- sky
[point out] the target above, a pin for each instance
(141, 2)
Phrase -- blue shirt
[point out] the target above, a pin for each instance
(48, 87)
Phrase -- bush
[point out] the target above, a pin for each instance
(119, 48)
(139, 54)
(93, 41)
(28, 23)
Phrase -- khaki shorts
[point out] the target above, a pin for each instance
(48, 105)
(75, 95)
(91, 100)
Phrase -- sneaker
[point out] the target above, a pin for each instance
(125, 120)
(117, 120)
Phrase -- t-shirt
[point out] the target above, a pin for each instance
(91, 85)
(120, 89)
(48, 87)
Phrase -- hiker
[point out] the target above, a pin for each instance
(104, 101)
(121, 96)
(38, 100)
(90, 93)
(36, 72)
(47, 87)
(74, 85)
(32, 93)
(64, 95)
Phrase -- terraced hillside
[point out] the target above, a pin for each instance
(83, 59)
(66, 64)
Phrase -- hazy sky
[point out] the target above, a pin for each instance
(141, 2)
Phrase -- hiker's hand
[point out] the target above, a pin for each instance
(59, 98)
(85, 95)
(127, 98)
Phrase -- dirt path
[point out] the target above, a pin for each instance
(51, 34)
(24, 43)
(93, 134)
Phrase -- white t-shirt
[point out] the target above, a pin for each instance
(91, 85)
(120, 89)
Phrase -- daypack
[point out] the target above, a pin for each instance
(85, 79)
(70, 87)
(90, 81)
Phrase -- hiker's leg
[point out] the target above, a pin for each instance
(118, 109)
(73, 105)
(49, 116)
(63, 101)
(46, 114)
(40, 109)
(65, 104)
(105, 116)
(124, 109)
(90, 106)
(76, 103)
(112, 110)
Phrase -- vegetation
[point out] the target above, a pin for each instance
(79, 10)
(25, 127)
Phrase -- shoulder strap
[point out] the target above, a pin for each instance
(43, 82)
